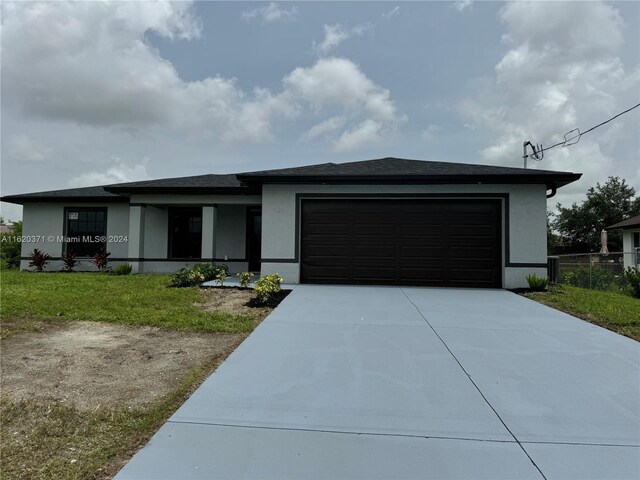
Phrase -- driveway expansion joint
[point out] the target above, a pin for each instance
(340, 432)
(474, 383)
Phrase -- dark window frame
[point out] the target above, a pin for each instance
(65, 223)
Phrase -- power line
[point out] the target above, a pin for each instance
(539, 152)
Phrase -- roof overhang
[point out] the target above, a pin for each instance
(21, 200)
(632, 223)
(253, 190)
(551, 181)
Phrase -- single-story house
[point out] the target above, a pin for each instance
(630, 240)
(388, 221)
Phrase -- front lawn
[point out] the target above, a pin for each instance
(128, 299)
(614, 311)
(47, 439)
(93, 364)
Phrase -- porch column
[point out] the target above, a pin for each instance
(136, 236)
(209, 220)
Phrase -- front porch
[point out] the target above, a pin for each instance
(166, 236)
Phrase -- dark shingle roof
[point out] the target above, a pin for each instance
(208, 182)
(87, 194)
(410, 171)
(383, 170)
(628, 223)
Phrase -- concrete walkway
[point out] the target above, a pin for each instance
(388, 382)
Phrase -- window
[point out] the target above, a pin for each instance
(86, 229)
(185, 232)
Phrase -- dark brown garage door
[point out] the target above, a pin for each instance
(454, 243)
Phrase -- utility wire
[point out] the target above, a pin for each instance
(542, 150)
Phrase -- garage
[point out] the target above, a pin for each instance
(428, 242)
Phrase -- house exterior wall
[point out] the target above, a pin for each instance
(524, 214)
(232, 232)
(630, 258)
(525, 221)
(46, 221)
(156, 232)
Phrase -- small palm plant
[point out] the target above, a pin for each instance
(537, 284)
(38, 259)
(101, 260)
(69, 261)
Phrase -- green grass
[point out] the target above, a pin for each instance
(614, 311)
(51, 440)
(28, 297)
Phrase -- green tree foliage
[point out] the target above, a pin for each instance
(605, 205)
(10, 247)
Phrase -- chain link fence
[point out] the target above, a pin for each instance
(593, 270)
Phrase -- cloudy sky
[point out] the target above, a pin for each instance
(106, 92)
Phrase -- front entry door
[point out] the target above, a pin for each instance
(254, 238)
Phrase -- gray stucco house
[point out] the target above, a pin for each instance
(385, 221)
(630, 240)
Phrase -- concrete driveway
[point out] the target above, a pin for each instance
(388, 382)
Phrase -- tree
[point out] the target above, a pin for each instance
(10, 247)
(605, 205)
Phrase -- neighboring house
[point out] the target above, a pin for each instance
(6, 227)
(630, 240)
(387, 221)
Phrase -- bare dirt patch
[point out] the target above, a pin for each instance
(91, 364)
(233, 300)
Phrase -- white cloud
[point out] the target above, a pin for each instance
(339, 83)
(118, 172)
(561, 70)
(270, 13)
(22, 148)
(367, 133)
(462, 5)
(394, 12)
(322, 128)
(334, 35)
(90, 64)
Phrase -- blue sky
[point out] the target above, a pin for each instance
(96, 93)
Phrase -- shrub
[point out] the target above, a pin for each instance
(101, 259)
(632, 276)
(536, 283)
(267, 287)
(123, 269)
(245, 279)
(69, 261)
(10, 247)
(220, 278)
(186, 277)
(210, 271)
(207, 270)
(38, 259)
(200, 272)
(180, 278)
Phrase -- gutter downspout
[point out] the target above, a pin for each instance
(553, 192)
